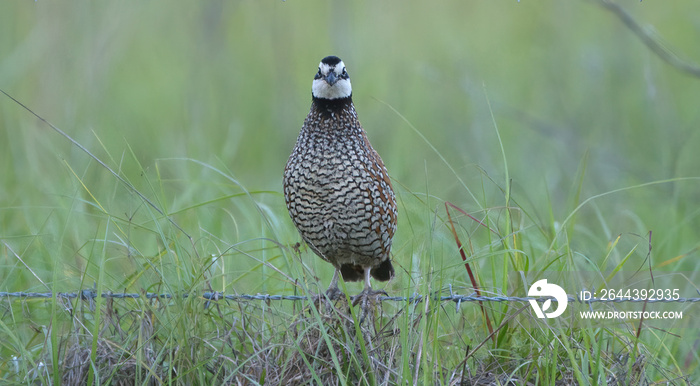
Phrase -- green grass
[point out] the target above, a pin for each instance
(549, 123)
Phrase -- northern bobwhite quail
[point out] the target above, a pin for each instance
(336, 187)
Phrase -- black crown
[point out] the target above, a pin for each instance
(331, 60)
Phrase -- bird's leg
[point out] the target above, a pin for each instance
(368, 285)
(332, 294)
(368, 297)
(333, 291)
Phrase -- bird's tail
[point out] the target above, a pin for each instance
(383, 271)
(354, 272)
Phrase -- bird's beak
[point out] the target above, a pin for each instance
(331, 78)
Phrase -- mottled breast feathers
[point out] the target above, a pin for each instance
(336, 187)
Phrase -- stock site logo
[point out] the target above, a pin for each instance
(542, 288)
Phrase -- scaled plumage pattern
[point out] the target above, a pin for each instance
(336, 187)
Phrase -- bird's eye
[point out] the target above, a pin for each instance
(344, 72)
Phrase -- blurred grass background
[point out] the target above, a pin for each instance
(166, 92)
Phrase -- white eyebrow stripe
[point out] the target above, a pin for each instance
(326, 68)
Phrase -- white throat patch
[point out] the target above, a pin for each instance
(340, 89)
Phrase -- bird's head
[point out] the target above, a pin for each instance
(332, 80)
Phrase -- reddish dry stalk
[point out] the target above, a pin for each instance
(466, 264)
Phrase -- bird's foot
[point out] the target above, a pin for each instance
(367, 300)
(334, 293)
(328, 299)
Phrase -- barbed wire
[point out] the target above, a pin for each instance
(90, 294)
